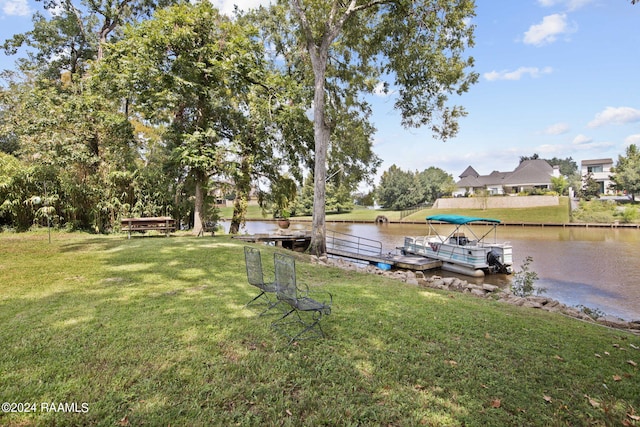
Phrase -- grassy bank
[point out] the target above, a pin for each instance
(545, 214)
(152, 331)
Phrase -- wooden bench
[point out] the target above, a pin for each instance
(161, 223)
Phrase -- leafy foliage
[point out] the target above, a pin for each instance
(560, 185)
(352, 47)
(523, 283)
(125, 108)
(400, 189)
(626, 173)
(590, 187)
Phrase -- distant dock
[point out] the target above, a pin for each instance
(298, 242)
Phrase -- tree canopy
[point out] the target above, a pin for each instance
(626, 173)
(130, 108)
(353, 46)
(399, 189)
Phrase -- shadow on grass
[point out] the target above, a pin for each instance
(154, 331)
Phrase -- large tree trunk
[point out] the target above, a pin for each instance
(321, 134)
(243, 187)
(199, 204)
(319, 54)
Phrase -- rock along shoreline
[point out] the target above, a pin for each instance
(483, 291)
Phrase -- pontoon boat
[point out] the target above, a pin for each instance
(462, 250)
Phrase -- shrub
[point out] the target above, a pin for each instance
(629, 214)
(524, 280)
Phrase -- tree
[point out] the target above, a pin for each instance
(626, 173)
(355, 43)
(193, 69)
(399, 189)
(53, 117)
(535, 156)
(435, 183)
(559, 184)
(590, 187)
(568, 167)
(74, 34)
(67, 127)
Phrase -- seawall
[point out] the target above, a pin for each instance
(495, 202)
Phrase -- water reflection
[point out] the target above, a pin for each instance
(595, 267)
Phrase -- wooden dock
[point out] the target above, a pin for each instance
(299, 242)
(405, 262)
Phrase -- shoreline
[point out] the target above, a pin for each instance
(502, 224)
(486, 291)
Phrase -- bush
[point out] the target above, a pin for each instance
(595, 211)
(524, 280)
(629, 214)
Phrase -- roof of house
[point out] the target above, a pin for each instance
(469, 171)
(596, 162)
(528, 172)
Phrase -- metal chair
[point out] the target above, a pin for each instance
(255, 276)
(299, 302)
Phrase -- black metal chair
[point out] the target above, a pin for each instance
(299, 302)
(255, 276)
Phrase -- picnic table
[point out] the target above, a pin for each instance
(164, 224)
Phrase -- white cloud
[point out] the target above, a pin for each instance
(615, 116)
(596, 146)
(569, 4)
(557, 129)
(585, 143)
(517, 74)
(16, 8)
(549, 149)
(382, 90)
(582, 140)
(632, 139)
(548, 30)
(227, 6)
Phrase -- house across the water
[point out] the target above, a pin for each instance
(529, 175)
(600, 170)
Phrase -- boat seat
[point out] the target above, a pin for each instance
(459, 239)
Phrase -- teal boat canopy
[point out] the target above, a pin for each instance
(460, 219)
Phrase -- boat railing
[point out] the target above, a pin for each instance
(353, 244)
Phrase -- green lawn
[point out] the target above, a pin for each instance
(539, 215)
(153, 331)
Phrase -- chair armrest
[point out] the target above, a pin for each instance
(323, 293)
(304, 291)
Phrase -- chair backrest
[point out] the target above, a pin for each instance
(285, 273)
(254, 266)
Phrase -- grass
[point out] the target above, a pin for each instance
(605, 212)
(153, 331)
(538, 215)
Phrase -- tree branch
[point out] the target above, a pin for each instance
(306, 27)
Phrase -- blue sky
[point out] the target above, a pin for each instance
(557, 78)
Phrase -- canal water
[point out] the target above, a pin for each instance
(598, 268)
